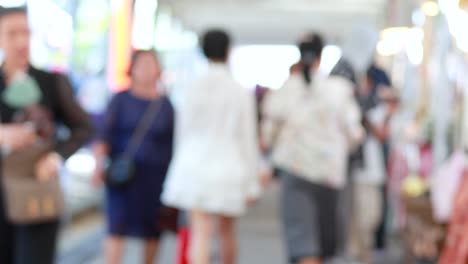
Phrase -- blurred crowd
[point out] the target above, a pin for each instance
(333, 142)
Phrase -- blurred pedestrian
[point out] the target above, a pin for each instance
(376, 83)
(137, 138)
(42, 100)
(214, 172)
(370, 178)
(311, 125)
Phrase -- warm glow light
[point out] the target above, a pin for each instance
(119, 44)
(396, 40)
(392, 41)
(430, 8)
(393, 32)
(463, 4)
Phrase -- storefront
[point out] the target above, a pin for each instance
(428, 61)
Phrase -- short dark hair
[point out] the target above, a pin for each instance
(6, 11)
(216, 44)
(312, 45)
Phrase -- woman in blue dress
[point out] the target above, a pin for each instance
(134, 210)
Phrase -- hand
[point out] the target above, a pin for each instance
(98, 177)
(263, 146)
(48, 167)
(266, 178)
(17, 137)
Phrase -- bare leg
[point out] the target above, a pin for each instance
(311, 261)
(114, 249)
(228, 239)
(201, 227)
(151, 250)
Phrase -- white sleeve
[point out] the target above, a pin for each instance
(275, 111)
(251, 146)
(187, 112)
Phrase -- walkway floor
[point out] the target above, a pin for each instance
(259, 235)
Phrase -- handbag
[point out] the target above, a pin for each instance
(28, 200)
(121, 169)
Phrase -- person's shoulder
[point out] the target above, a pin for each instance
(49, 75)
(166, 100)
(294, 80)
(120, 96)
(44, 77)
(338, 81)
(51, 82)
(339, 84)
(41, 73)
(201, 81)
(294, 83)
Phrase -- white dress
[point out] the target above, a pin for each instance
(215, 165)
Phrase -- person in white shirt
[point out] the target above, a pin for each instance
(214, 172)
(370, 179)
(311, 124)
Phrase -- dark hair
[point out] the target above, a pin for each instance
(378, 76)
(216, 44)
(311, 49)
(137, 54)
(5, 11)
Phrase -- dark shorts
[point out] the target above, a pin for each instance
(309, 213)
(134, 210)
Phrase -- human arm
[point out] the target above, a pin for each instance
(275, 109)
(101, 152)
(251, 148)
(15, 137)
(381, 130)
(72, 115)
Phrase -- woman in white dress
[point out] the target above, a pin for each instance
(214, 172)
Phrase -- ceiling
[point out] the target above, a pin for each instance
(278, 21)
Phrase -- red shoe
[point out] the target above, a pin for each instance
(183, 238)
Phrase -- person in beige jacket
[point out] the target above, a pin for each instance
(311, 124)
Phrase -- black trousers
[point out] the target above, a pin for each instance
(26, 244)
(309, 212)
(381, 233)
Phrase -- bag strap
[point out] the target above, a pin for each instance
(143, 128)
